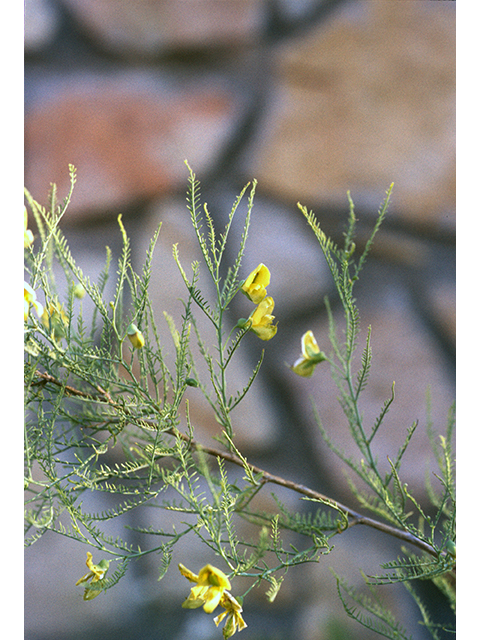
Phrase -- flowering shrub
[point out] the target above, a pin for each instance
(90, 388)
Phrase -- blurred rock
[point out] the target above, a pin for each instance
(147, 27)
(41, 24)
(442, 300)
(366, 100)
(128, 134)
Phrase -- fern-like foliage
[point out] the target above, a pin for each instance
(370, 612)
(387, 496)
(106, 417)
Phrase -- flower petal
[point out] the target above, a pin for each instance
(255, 286)
(309, 345)
(262, 319)
(212, 599)
(187, 573)
(212, 576)
(304, 367)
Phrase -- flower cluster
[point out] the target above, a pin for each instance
(96, 574)
(210, 590)
(261, 319)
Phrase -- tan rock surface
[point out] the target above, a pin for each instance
(366, 100)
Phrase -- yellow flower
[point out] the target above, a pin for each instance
(55, 320)
(255, 286)
(210, 586)
(30, 298)
(233, 610)
(96, 573)
(27, 234)
(261, 320)
(135, 336)
(311, 356)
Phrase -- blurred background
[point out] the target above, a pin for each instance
(312, 98)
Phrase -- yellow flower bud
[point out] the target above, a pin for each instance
(30, 298)
(233, 612)
(311, 356)
(135, 336)
(79, 291)
(27, 234)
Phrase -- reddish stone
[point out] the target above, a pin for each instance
(127, 137)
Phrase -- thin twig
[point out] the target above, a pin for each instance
(355, 517)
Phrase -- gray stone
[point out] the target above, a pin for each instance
(141, 27)
(41, 24)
